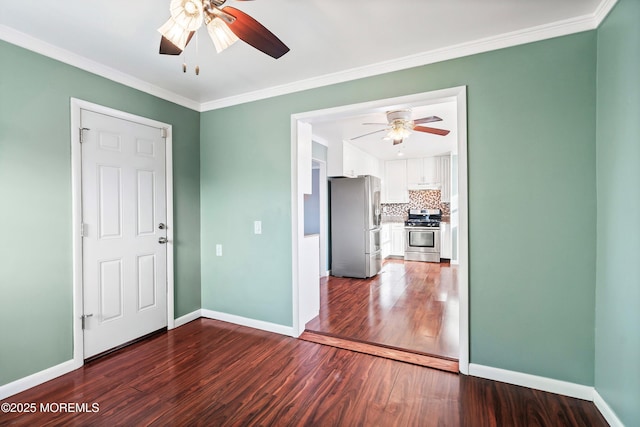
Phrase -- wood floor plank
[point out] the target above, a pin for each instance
(380, 351)
(212, 373)
(410, 305)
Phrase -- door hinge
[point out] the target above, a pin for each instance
(83, 230)
(163, 132)
(84, 318)
(82, 134)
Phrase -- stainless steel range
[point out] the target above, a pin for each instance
(422, 235)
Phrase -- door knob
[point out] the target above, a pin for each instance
(161, 226)
(162, 240)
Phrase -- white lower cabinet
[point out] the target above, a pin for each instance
(446, 249)
(397, 240)
(385, 240)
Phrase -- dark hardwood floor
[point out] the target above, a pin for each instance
(213, 373)
(409, 305)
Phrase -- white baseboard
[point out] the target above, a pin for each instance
(188, 318)
(38, 378)
(251, 323)
(565, 388)
(606, 410)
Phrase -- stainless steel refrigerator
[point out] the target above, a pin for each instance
(355, 227)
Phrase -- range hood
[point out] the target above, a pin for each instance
(425, 186)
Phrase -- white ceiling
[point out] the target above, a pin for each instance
(330, 40)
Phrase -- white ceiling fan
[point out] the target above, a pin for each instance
(400, 126)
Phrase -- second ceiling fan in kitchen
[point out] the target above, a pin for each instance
(400, 126)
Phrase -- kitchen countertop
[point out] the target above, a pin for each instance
(393, 219)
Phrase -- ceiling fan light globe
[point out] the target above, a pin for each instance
(398, 131)
(221, 35)
(187, 13)
(175, 33)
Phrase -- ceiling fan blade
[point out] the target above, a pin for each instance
(255, 34)
(168, 48)
(367, 134)
(379, 124)
(435, 131)
(429, 119)
(397, 141)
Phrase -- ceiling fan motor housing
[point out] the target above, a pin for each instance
(401, 124)
(404, 115)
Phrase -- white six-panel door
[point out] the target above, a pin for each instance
(123, 214)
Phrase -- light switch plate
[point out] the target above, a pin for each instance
(218, 250)
(257, 227)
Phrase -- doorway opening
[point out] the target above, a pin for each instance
(456, 270)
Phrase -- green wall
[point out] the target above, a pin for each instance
(35, 203)
(532, 202)
(532, 153)
(617, 369)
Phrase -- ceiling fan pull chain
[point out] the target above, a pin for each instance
(197, 56)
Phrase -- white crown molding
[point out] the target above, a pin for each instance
(23, 40)
(528, 35)
(603, 11)
(606, 410)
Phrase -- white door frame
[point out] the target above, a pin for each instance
(324, 203)
(76, 197)
(297, 202)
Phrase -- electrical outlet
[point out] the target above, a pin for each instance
(257, 227)
(218, 250)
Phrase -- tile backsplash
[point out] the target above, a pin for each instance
(418, 199)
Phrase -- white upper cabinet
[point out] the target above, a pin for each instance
(351, 162)
(430, 173)
(344, 159)
(415, 171)
(395, 182)
(432, 170)
(423, 173)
